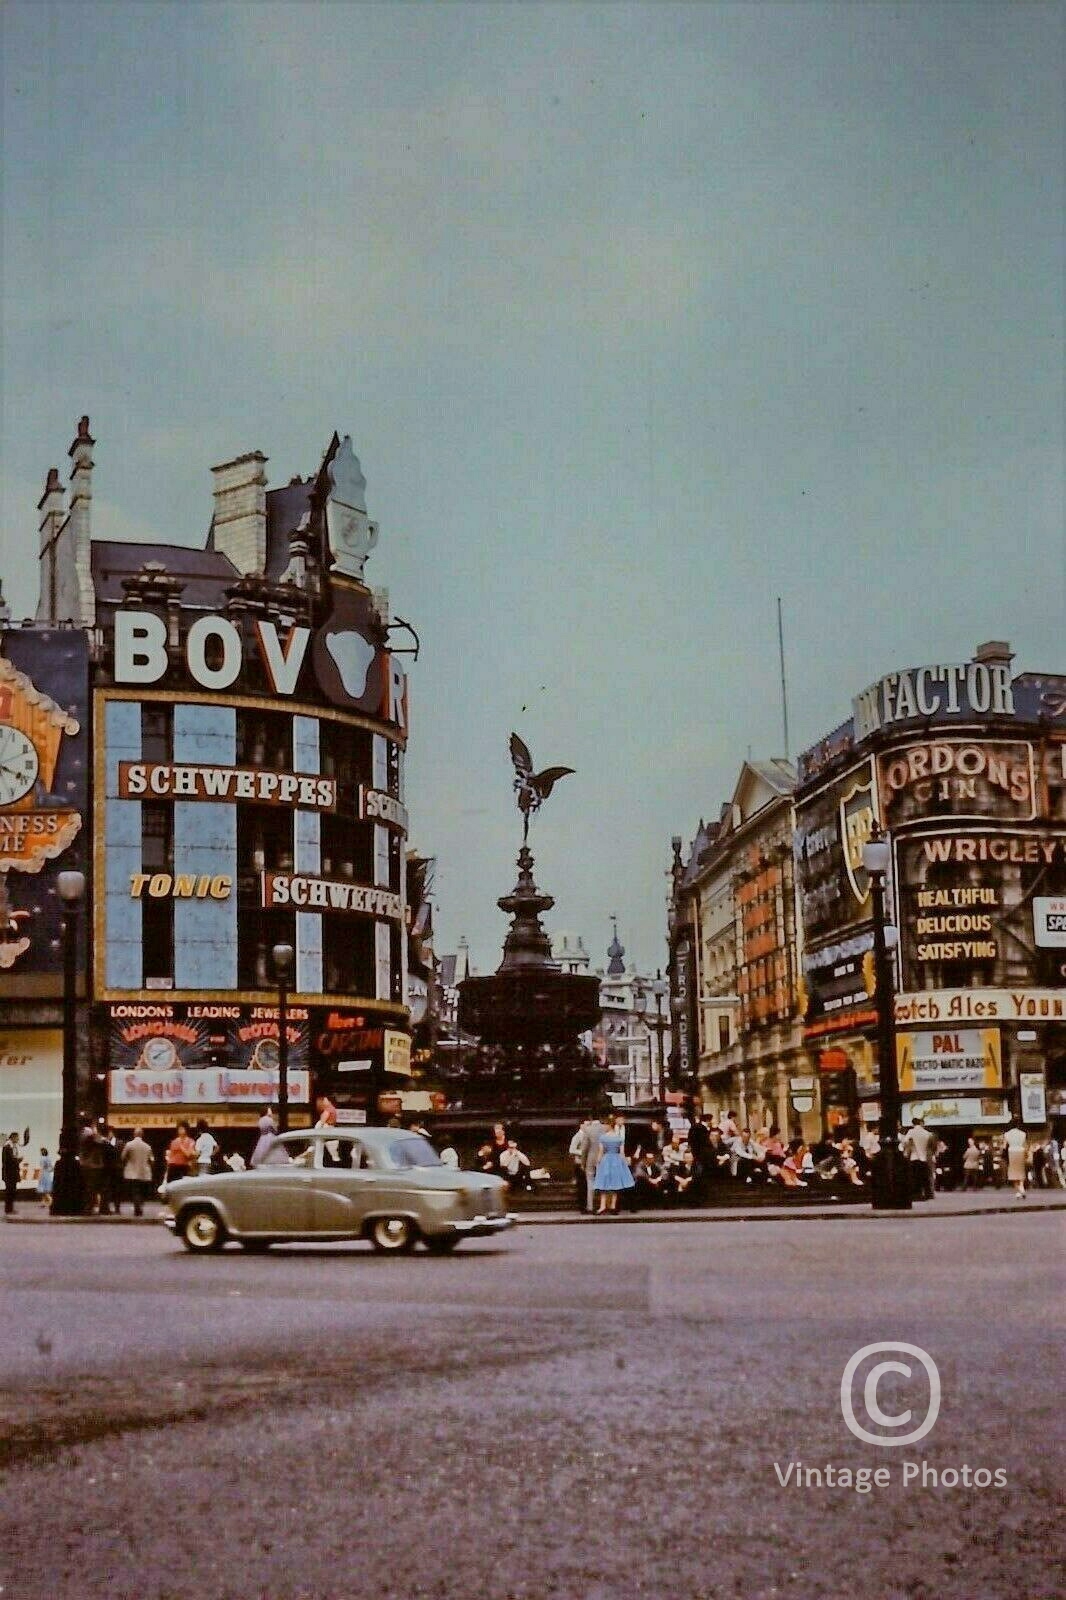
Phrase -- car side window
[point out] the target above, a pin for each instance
(353, 1155)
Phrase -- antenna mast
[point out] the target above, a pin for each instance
(784, 684)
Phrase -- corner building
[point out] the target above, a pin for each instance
(249, 721)
(964, 767)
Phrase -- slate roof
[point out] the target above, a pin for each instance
(206, 573)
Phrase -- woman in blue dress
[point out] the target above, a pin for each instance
(45, 1178)
(612, 1169)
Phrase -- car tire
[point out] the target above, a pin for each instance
(201, 1230)
(392, 1236)
(256, 1247)
(443, 1244)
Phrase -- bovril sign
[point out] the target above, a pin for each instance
(350, 668)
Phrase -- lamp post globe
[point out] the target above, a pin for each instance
(67, 1181)
(284, 955)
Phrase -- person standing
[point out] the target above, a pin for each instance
(45, 1178)
(268, 1132)
(12, 1172)
(612, 1176)
(589, 1154)
(971, 1164)
(181, 1154)
(206, 1146)
(577, 1157)
(1016, 1146)
(137, 1169)
(918, 1147)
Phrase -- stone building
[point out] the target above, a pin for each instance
(241, 708)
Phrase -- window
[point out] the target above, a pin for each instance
(157, 838)
(157, 733)
(347, 849)
(264, 839)
(413, 1152)
(348, 964)
(723, 1033)
(264, 739)
(258, 932)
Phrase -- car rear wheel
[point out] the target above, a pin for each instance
(201, 1231)
(392, 1236)
(443, 1244)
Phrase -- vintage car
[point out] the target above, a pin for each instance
(380, 1184)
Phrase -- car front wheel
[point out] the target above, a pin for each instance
(392, 1236)
(201, 1231)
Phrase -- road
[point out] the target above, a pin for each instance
(591, 1413)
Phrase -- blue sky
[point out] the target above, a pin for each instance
(638, 315)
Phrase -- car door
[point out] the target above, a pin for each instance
(276, 1197)
(344, 1187)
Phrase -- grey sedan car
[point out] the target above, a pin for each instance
(379, 1184)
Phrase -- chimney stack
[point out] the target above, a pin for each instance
(82, 607)
(996, 652)
(239, 526)
(50, 509)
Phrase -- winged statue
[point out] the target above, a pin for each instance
(532, 788)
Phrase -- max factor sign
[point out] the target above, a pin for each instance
(307, 893)
(976, 688)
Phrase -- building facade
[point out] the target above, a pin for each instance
(963, 766)
(244, 716)
(737, 894)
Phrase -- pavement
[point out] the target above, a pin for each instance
(950, 1203)
(592, 1412)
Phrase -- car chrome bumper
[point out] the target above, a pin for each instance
(482, 1225)
(170, 1221)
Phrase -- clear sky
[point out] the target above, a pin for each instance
(639, 316)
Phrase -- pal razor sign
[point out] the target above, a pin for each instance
(351, 668)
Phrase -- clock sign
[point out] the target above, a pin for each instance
(159, 1054)
(19, 765)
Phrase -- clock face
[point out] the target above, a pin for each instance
(159, 1054)
(18, 765)
(267, 1055)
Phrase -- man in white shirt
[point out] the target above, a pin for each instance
(918, 1146)
(206, 1145)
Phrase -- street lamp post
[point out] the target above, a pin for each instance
(889, 1185)
(66, 1183)
(283, 959)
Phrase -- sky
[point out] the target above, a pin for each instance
(639, 317)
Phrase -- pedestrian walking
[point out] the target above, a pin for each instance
(268, 1132)
(94, 1169)
(612, 1176)
(137, 1169)
(45, 1178)
(12, 1172)
(181, 1154)
(1017, 1154)
(111, 1190)
(972, 1161)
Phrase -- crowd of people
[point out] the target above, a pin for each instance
(654, 1165)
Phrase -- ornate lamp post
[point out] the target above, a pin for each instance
(284, 956)
(67, 1184)
(889, 1179)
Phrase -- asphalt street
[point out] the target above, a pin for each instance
(588, 1412)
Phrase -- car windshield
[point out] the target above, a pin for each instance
(413, 1151)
